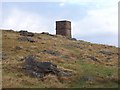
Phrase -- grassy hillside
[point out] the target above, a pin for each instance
(92, 65)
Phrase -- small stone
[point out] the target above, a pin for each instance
(18, 47)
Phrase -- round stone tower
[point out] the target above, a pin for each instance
(63, 28)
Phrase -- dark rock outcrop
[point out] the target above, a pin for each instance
(26, 33)
(40, 69)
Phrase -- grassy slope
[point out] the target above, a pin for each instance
(73, 56)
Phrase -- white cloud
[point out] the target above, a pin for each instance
(97, 2)
(98, 23)
(62, 4)
(22, 20)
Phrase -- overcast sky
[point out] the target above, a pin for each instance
(92, 20)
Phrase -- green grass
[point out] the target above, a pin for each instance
(96, 71)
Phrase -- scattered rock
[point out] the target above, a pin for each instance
(48, 34)
(0, 55)
(106, 52)
(18, 47)
(64, 73)
(73, 45)
(108, 58)
(33, 47)
(72, 39)
(45, 33)
(26, 39)
(93, 58)
(52, 35)
(118, 53)
(20, 58)
(26, 33)
(39, 37)
(4, 56)
(87, 78)
(40, 69)
(51, 52)
(10, 30)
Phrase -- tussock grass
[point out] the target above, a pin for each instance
(73, 57)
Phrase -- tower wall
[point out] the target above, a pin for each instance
(63, 28)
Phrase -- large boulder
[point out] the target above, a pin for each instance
(40, 69)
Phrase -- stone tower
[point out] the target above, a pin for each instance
(63, 28)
